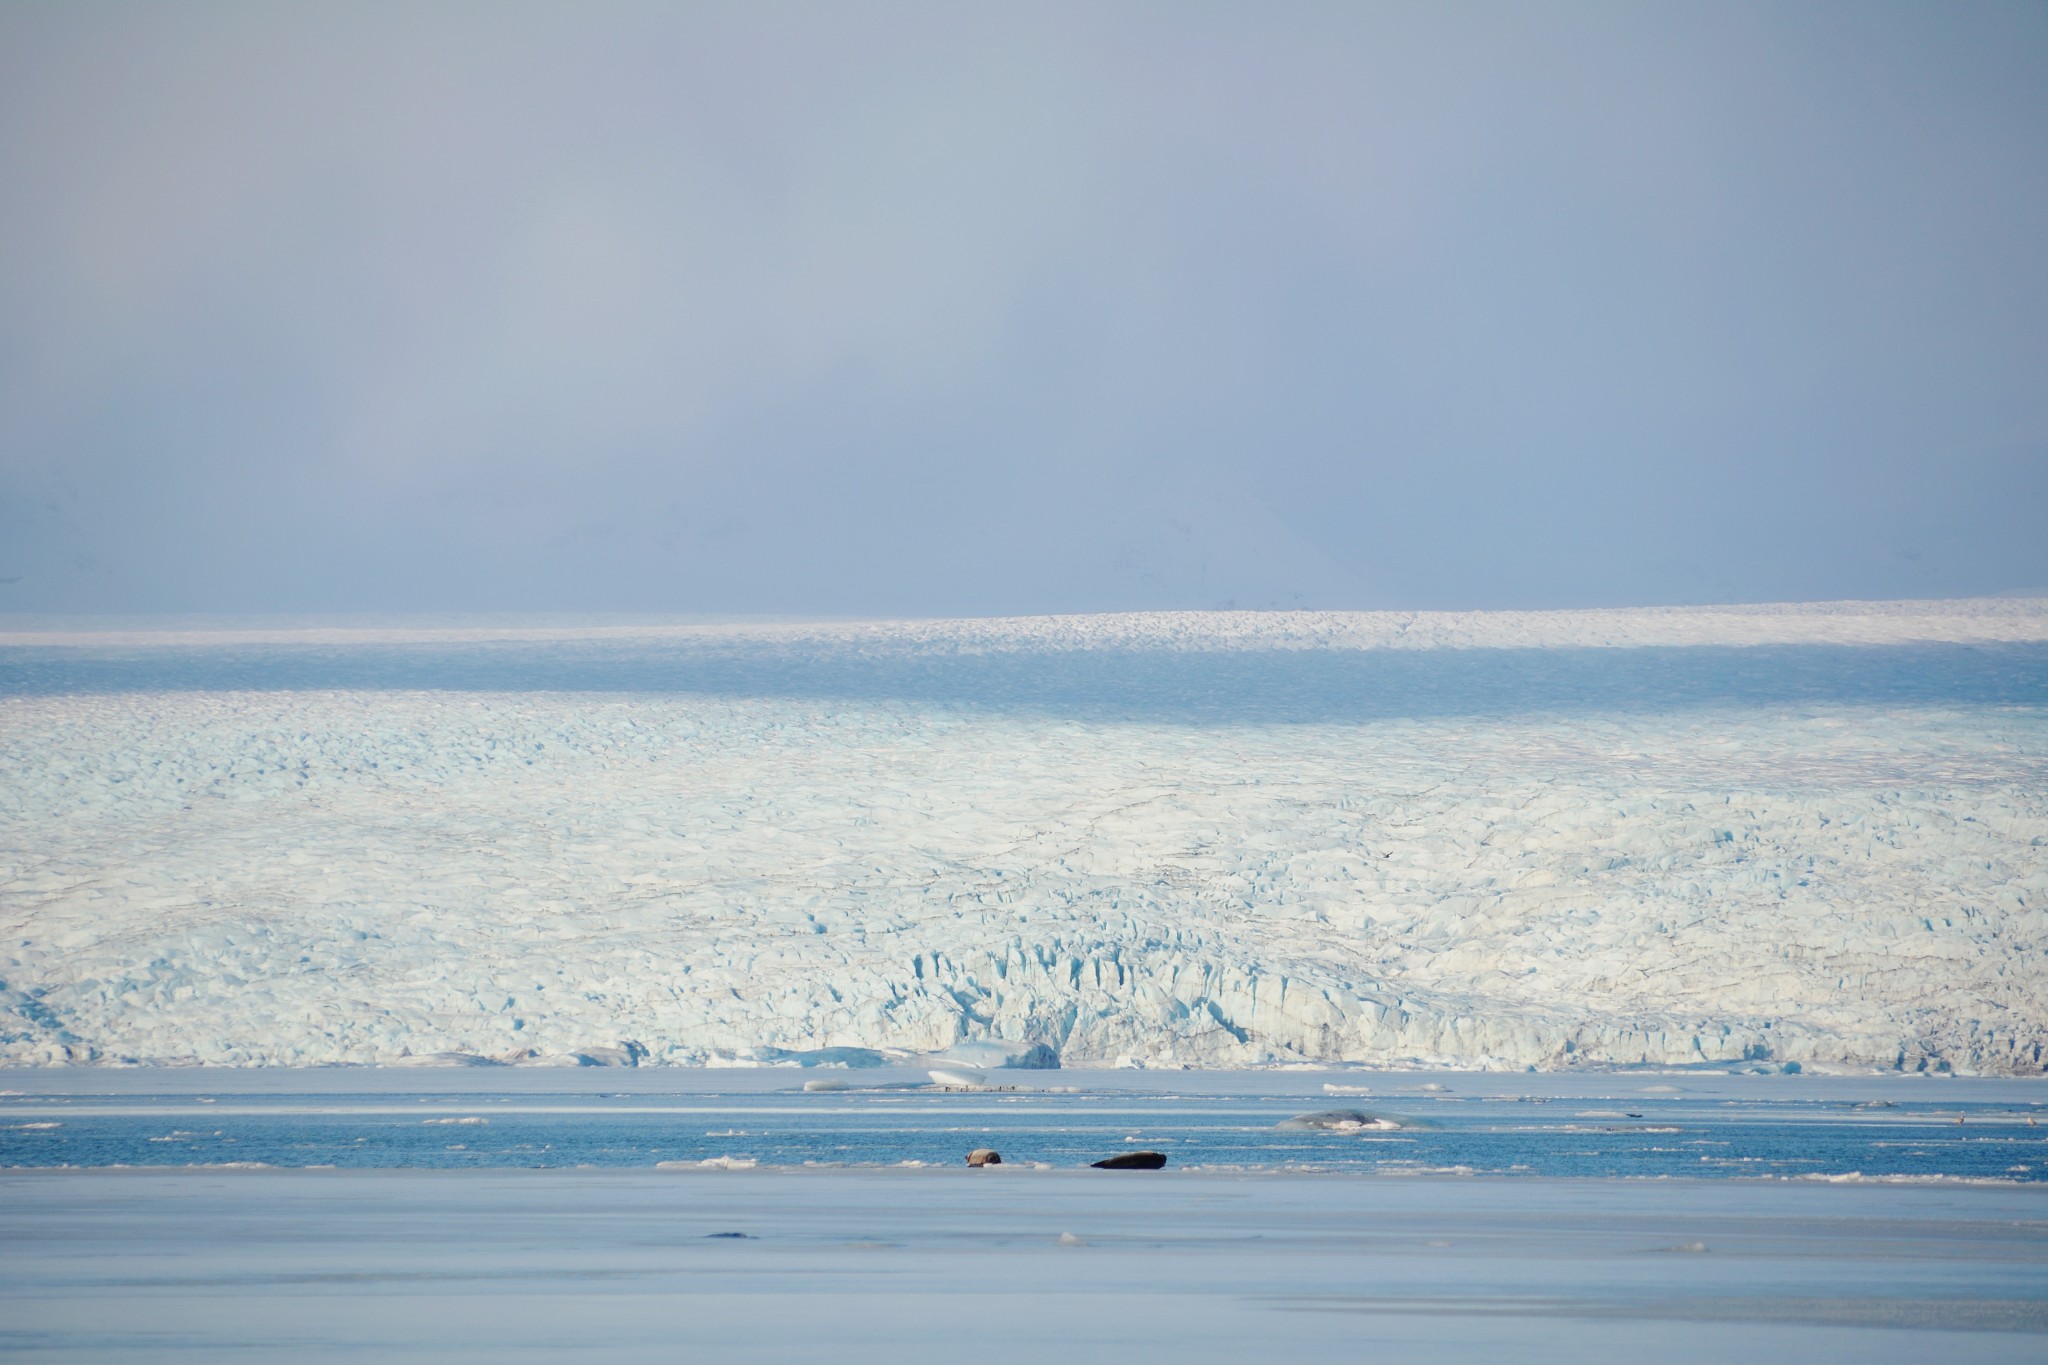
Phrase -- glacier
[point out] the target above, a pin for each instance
(1812, 835)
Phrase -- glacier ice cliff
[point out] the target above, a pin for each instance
(1770, 835)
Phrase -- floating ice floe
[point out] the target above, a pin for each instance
(1345, 1121)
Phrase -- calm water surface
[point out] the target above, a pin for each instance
(1624, 1126)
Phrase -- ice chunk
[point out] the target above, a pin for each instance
(855, 1057)
(1343, 1121)
(996, 1055)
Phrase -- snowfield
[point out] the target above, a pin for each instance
(1007, 1265)
(1813, 834)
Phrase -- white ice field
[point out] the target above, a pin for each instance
(1744, 836)
(906, 1266)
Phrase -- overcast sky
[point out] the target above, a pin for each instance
(918, 309)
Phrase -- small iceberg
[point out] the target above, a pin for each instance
(1344, 1121)
(958, 1077)
(997, 1054)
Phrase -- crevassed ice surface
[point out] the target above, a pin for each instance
(1810, 834)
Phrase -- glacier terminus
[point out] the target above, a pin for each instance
(1812, 836)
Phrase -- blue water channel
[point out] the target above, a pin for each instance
(894, 1123)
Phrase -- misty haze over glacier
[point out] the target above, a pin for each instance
(913, 309)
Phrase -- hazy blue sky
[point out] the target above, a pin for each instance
(994, 308)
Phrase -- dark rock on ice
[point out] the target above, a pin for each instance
(1132, 1161)
(735, 1236)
